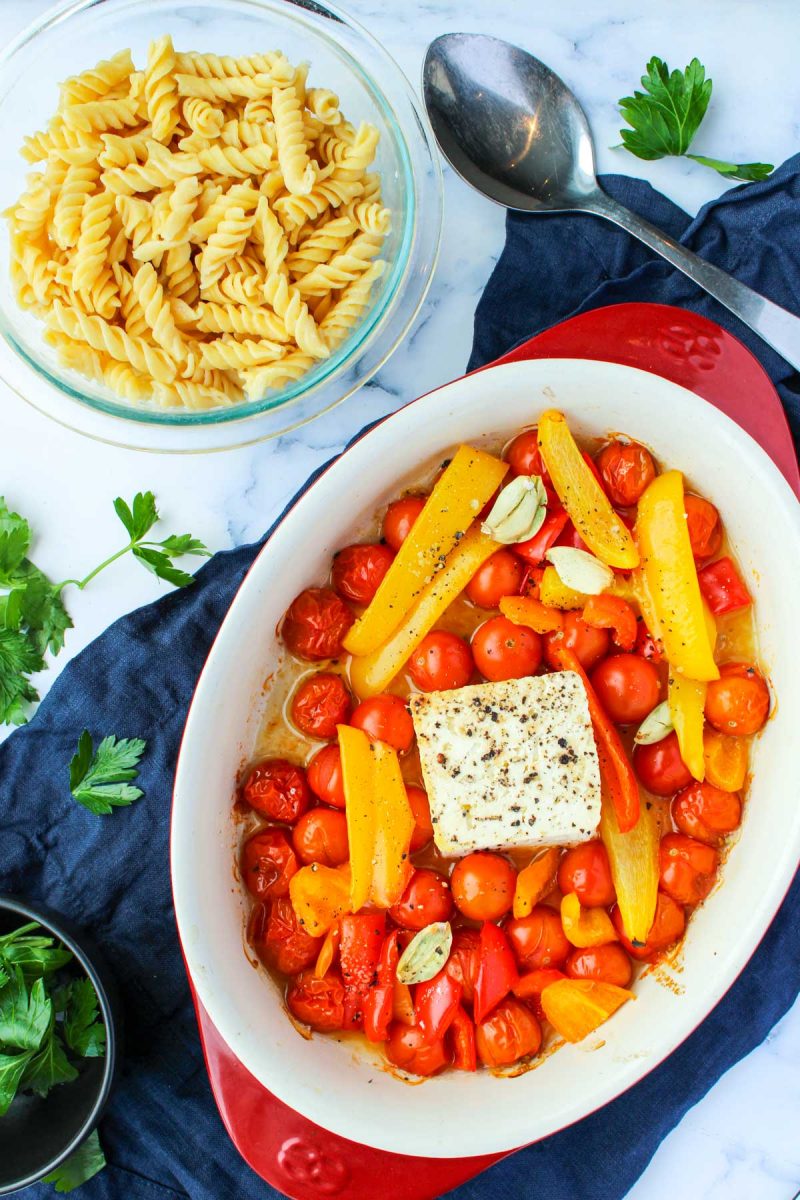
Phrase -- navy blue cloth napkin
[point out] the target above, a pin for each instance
(161, 1132)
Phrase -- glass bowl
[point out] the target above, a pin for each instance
(344, 57)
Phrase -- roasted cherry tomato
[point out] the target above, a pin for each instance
(286, 945)
(627, 686)
(706, 813)
(646, 645)
(427, 898)
(588, 645)
(442, 661)
(606, 964)
(738, 702)
(688, 868)
(358, 570)
(321, 836)
(501, 575)
(317, 1002)
(407, 1049)
(277, 789)
(704, 525)
(423, 827)
(504, 650)
(385, 719)
(538, 940)
(320, 704)
(660, 768)
(668, 925)
(509, 1033)
(324, 774)
(585, 871)
(464, 960)
(627, 469)
(483, 885)
(315, 624)
(524, 456)
(268, 862)
(400, 516)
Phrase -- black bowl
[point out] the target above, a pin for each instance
(36, 1134)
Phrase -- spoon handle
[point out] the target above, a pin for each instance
(779, 328)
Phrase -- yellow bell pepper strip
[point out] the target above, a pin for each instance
(373, 673)
(394, 826)
(725, 760)
(466, 484)
(579, 491)
(358, 776)
(670, 574)
(327, 951)
(576, 1007)
(687, 702)
(524, 610)
(633, 858)
(585, 927)
(555, 594)
(319, 896)
(535, 881)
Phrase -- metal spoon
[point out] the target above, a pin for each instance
(514, 131)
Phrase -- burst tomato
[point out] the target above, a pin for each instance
(501, 575)
(407, 1049)
(483, 885)
(321, 836)
(315, 624)
(504, 650)
(462, 965)
(688, 868)
(738, 702)
(441, 661)
(400, 516)
(705, 812)
(277, 789)
(427, 898)
(267, 863)
(358, 571)
(668, 925)
(606, 964)
(317, 1002)
(704, 525)
(660, 768)
(587, 644)
(385, 719)
(627, 686)
(324, 774)
(320, 704)
(627, 469)
(524, 456)
(509, 1033)
(538, 940)
(421, 811)
(286, 946)
(585, 871)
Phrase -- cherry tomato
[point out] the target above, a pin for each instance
(585, 871)
(277, 789)
(627, 469)
(321, 836)
(606, 964)
(646, 645)
(668, 925)
(660, 768)
(324, 774)
(524, 456)
(509, 1033)
(441, 661)
(501, 575)
(504, 650)
(587, 644)
(315, 624)
(385, 719)
(538, 940)
(704, 525)
(320, 704)
(421, 810)
(427, 898)
(705, 812)
(407, 1049)
(483, 885)
(400, 516)
(462, 965)
(267, 863)
(317, 1002)
(286, 946)
(738, 702)
(688, 868)
(627, 686)
(358, 571)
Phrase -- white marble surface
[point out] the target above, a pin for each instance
(742, 1141)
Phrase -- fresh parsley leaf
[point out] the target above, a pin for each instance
(747, 172)
(25, 1016)
(161, 565)
(84, 1032)
(12, 1068)
(15, 539)
(35, 955)
(140, 518)
(49, 1067)
(18, 659)
(87, 1160)
(99, 781)
(4, 976)
(183, 543)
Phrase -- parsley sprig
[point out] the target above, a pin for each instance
(665, 117)
(100, 781)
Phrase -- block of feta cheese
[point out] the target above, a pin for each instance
(509, 764)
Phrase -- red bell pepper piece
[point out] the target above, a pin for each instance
(592, 465)
(435, 1006)
(360, 945)
(464, 1054)
(534, 550)
(614, 613)
(722, 587)
(615, 767)
(646, 646)
(379, 1002)
(497, 970)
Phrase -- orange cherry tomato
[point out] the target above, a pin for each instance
(421, 810)
(501, 575)
(585, 871)
(688, 868)
(738, 702)
(317, 1002)
(525, 458)
(531, 986)
(509, 1033)
(503, 650)
(668, 926)
(538, 940)
(277, 789)
(627, 686)
(660, 768)
(315, 624)
(704, 525)
(400, 516)
(483, 885)
(442, 661)
(627, 469)
(358, 571)
(408, 1049)
(324, 774)
(606, 964)
(320, 704)
(285, 945)
(587, 644)
(321, 836)
(267, 863)
(462, 965)
(385, 719)
(706, 813)
(427, 899)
